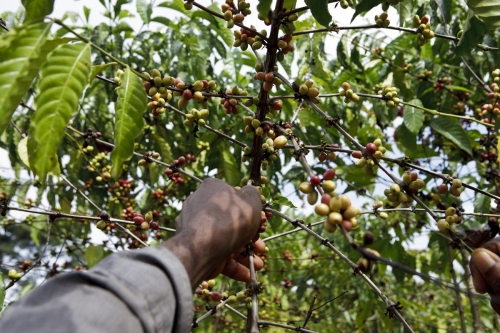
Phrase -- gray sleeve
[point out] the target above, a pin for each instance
(145, 290)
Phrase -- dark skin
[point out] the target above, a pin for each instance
(485, 270)
(214, 227)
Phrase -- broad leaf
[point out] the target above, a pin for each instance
(453, 131)
(474, 32)
(64, 77)
(145, 9)
(96, 69)
(37, 9)
(130, 106)
(94, 254)
(22, 151)
(319, 10)
(482, 203)
(230, 166)
(279, 200)
(161, 19)
(487, 11)
(445, 8)
(289, 4)
(264, 6)
(20, 61)
(413, 117)
(365, 6)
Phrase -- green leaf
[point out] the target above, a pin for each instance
(453, 131)
(319, 10)
(145, 10)
(20, 61)
(154, 173)
(2, 290)
(365, 6)
(474, 32)
(487, 11)
(458, 88)
(413, 117)
(289, 4)
(22, 150)
(117, 8)
(96, 69)
(130, 107)
(64, 77)
(37, 9)
(279, 200)
(94, 254)
(162, 20)
(264, 6)
(230, 167)
(445, 8)
(35, 232)
(482, 203)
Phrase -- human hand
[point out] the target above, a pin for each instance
(214, 226)
(485, 270)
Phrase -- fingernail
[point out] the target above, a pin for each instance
(483, 260)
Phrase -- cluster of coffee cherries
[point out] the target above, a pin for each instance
(339, 212)
(348, 93)
(390, 95)
(424, 75)
(441, 83)
(381, 20)
(206, 291)
(288, 24)
(424, 32)
(121, 192)
(196, 116)
(99, 162)
(235, 13)
(451, 218)
(244, 38)
(14, 275)
(365, 264)
(285, 46)
(455, 189)
(495, 77)
(488, 110)
(147, 158)
(145, 222)
(160, 196)
(411, 180)
(396, 196)
(230, 103)
(263, 224)
(268, 80)
(346, 4)
(374, 149)
(194, 91)
(326, 183)
(328, 154)
(310, 91)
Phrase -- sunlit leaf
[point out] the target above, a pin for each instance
(64, 77)
(130, 106)
(319, 10)
(37, 9)
(453, 131)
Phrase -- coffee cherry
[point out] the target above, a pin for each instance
(357, 154)
(144, 225)
(443, 188)
(455, 191)
(443, 226)
(306, 187)
(138, 219)
(335, 204)
(322, 209)
(368, 238)
(328, 186)
(371, 148)
(351, 212)
(456, 183)
(329, 174)
(329, 227)
(383, 215)
(269, 77)
(211, 283)
(425, 19)
(325, 198)
(346, 202)
(101, 225)
(364, 265)
(347, 225)
(315, 180)
(267, 86)
(215, 296)
(154, 225)
(280, 141)
(312, 197)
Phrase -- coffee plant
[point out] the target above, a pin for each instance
(389, 141)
